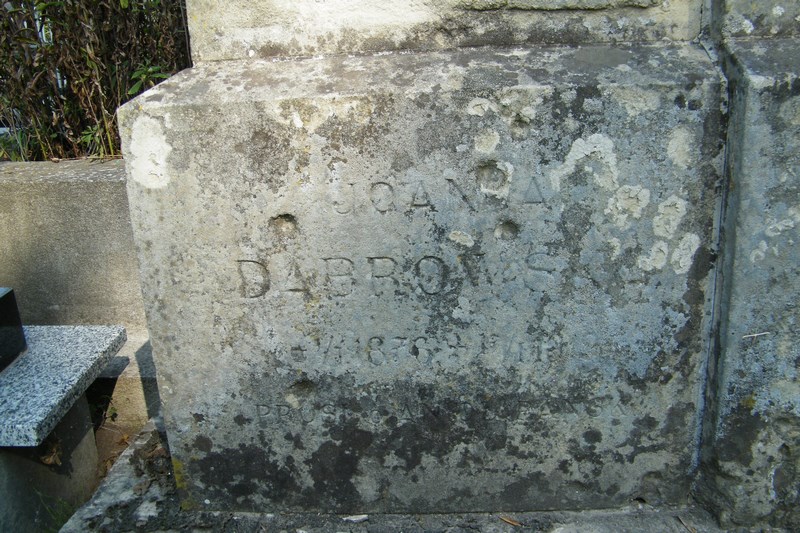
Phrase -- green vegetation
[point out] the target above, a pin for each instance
(66, 66)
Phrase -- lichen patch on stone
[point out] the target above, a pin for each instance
(149, 151)
(670, 214)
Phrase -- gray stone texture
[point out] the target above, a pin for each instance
(66, 245)
(139, 495)
(432, 282)
(761, 18)
(41, 385)
(753, 474)
(241, 29)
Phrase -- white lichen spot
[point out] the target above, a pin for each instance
(682, 255)
(680, 149)
(616, 247)
(759, 253)
(487, 141)
(636, 100)
(292, 401)
(628, 201)
(251, 53)
(778, 11)
(670, 214)
(296, 120)
(747, 26)
(597, 145)
(776, 228)
(794, 213)
(480, 106)
(569, 95)
(464, 239)
(790, 111)
(571, 125)
(495, 179)
(453, 81)
(147, 163)
(656, 259)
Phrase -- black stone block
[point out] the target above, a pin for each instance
(12, 338)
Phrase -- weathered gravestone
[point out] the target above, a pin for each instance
(445, 281)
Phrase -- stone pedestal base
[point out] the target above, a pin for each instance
(42, 486)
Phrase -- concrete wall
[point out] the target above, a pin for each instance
(66, 246)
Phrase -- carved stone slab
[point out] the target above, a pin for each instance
(464, 281)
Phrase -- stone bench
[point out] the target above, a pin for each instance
(48, 457)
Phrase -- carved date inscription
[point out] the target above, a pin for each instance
(420, 350)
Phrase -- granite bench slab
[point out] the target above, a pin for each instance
(39, 387)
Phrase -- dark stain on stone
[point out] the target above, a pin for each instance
(334, 464)
(203, 443)
(241, 420)
(592, 462)
(243, 472)
(198, 417)
(786, 89)
(695, 296)
(738, 447)
(677, 418)
(642, 432)
(267, 154)
(303, 386)
(367, 136)
(592, 436)
(521, 490)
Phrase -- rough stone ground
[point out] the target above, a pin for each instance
(139, 495)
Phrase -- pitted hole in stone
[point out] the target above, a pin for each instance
(303, 386)
(284, 226)
(490, 176)
(506, 230)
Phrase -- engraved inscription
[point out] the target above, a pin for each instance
(343, 198)
(383, 275)
(255, 278)
(461, 194)
(421, 198)
(421, 350)
(381, 195)
(492, 179)
(523, 411)
(339, 275)
(342, 275)
(533, 194)
(432, 274)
